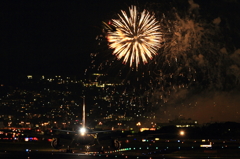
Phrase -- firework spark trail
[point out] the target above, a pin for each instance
(137, 37)
(184, 59)
(193, 58)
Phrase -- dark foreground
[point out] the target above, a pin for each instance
(164, 149)
(61, 155)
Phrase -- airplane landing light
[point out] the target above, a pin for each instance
(83, 131)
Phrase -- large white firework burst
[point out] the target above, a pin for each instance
(137, 36)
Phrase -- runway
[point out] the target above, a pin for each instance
(63, 155)
(44, 155)
(163, 149)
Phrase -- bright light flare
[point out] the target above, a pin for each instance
(137, 37)
(182, 133)
(83, 131)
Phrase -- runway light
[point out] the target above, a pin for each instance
(182, 133)
(26, 139)
(206, 146)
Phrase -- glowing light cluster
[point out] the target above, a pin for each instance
(137, 37)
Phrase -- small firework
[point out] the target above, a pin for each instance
(137, 36)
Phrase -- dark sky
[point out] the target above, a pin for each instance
(40, 37)
(48, 37)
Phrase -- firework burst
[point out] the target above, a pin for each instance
(137, 36)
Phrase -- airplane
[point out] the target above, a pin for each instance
(85, 137)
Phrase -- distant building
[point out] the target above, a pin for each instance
(182, 122)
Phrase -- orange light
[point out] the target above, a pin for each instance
(182, 133)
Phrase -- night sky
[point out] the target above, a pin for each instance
(56, 37)
(50, 37)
